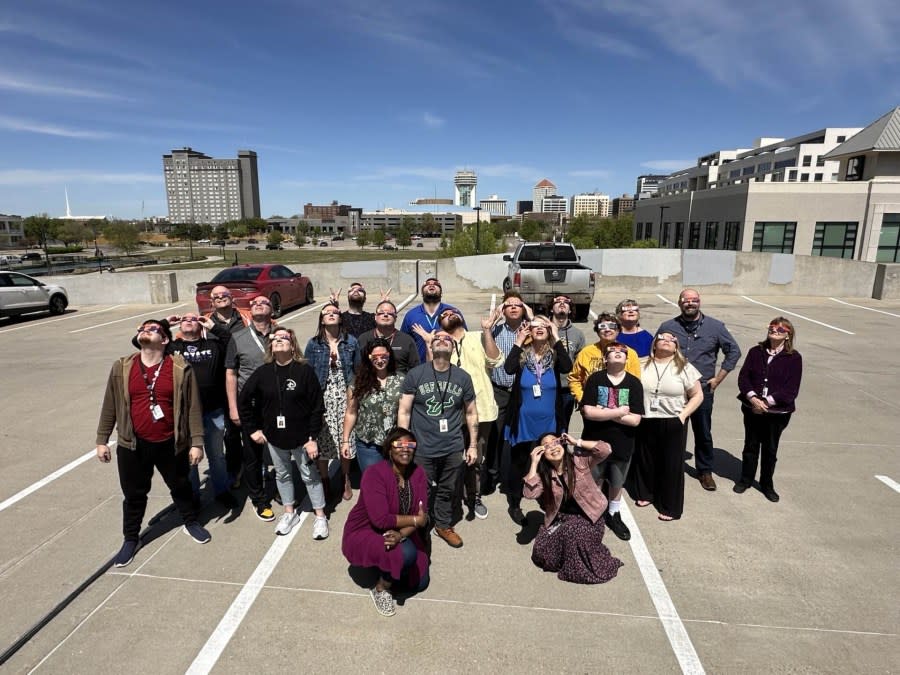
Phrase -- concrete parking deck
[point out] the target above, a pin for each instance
(738, 585)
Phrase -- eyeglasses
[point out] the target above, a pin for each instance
(781, 330)
(220, 296)
(432, 282)
(442, 338)
(379, 357)
(607, 325)
(514, 305)
(385, 313)
(332, 313)
(150, 328)
(616, 350)
(260, 303)
(562, 298)
(190, 318)
(689, 301)
(662, 338)
(447, 312)
(552, 445)
(409, 445)
(281, 338)
(538, 326)
(631, 308)
(356, 289)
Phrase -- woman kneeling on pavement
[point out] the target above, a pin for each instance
(281, 405)
(570, 542)
(384, 530)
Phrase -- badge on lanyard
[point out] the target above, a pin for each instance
(279, 422)
(536, 390)
(443, 426)
(654, 404)
(157, 412)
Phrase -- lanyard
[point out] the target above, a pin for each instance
(658, 376)
(280, 384)
(151, 386)
(256, 339)
(432, 319)
(458, 347)
(446, 384)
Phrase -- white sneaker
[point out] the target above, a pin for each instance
(320, 528)
(286, 523)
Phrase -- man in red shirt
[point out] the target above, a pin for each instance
(154, 403)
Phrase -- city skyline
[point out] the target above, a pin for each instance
(375, 106)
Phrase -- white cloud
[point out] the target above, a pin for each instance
(433, 121)
(26, 177)
(668, 164)
(44, 88)
(31, 126)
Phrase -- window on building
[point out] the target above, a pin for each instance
(817, 178)
(792, 176)
(820, 161)
(679, 235)
(648, 233)
(841, 139)
(889, 239)
(732, 235)
(804, 177)
(807, 160)
(765, 166)
(664, 237)
(855, 166)
(694, 235)
(784, 163)
(735, 173)
(748, 171)
(835, 240)
(639, 233)
(771, 237)
(712, 234)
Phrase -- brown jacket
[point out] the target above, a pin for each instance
(116, 408)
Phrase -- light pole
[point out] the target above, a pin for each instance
(477, 227)
(661, 210)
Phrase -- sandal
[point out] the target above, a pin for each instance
(642, 503)
(666, 519)
(348, 489)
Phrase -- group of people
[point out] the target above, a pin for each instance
(438, 416)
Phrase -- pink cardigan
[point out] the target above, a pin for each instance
(587, 495)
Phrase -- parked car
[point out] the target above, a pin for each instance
(31, 257)
(419, 244)
(252, 241)
(219, 242)
(283, 287)
(203, 241)
(338, 237)
(540, 271)
(274, 247)
(389, 247)
(20, 294)
(323, 243)
(251, 247)
(234, 242)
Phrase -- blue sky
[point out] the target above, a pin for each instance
(377, 103)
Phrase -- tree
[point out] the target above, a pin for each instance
(43, 230)
(255, 225)
(404, 238)
(530, 230)
(303, 229)
(429, 226)
(378, 238)
(73, 232)
(614, 233)
(645, 243)
(275, 237)
(124, 236)
(363, 239)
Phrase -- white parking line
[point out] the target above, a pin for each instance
(880, 311)
(157, 312)
(307, 310)
(890, 482)
(674, 304)
(76, 315)
(21, 494)
(668, 615)
(799, 316)
(215, 645)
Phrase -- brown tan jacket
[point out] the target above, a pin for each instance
(116, 408)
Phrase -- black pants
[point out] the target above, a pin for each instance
(234, 450)
(493, 449)
(472, 472)
(761, 432)
(443, 475)
(136, 472)
(257, 459)
(516, 462)
(657, 467)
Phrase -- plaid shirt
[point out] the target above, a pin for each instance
(505, 337)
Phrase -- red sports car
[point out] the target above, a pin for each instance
(276, 282)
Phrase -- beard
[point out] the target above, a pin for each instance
(145, 339)
(691, 312)
(431, 297)
(442, 351)
(451, 323)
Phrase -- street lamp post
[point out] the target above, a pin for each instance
(661, 210)
(477, 227)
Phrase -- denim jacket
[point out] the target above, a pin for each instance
(319, 357)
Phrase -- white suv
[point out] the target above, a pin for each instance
(20, 293)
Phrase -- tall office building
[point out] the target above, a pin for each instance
(554, 204)
(524, 206)
(647, 186)
(591, 204)
(622, 205)
(208, 191)
(493, 205)
(464, 183)
(544, 188)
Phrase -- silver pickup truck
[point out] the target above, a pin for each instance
(541, 271)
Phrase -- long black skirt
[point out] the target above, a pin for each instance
(573, 548)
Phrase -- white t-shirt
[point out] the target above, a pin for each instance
(665, 385)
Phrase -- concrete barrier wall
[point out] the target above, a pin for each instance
(621, 272)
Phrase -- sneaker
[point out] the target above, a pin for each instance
(227, 500)
(384, 602)
(126, 553)
(516, 514)
(614, 522)
(196, 532)
(480, 509)
(740, 487)
(320, 529)
(265, 512)
(286, 523)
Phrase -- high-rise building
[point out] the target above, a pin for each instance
(554, 204)
(493, 205)
(623, 204)
(591, 204)
(464, 183)
(203, 190)
(647, 186)
(544, 188)
(524, 206)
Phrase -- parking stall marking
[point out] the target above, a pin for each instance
(799, 316)
(76, 315)
(156, 312)
(890, 482)
(664, 299)
(871, 309)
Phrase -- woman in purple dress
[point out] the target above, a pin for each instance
(385, 529)
(570, 542)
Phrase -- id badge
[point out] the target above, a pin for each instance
(279, 422)
(654, 404)
(765, 392)
(156, 412)
(443, 426)
(536, 390)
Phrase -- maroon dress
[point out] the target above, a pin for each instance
(374, 513)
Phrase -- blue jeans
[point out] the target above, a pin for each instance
(214, 447)
(701, 423)
(568, 402)
(367, 454)
(309, 474)
(410, 553)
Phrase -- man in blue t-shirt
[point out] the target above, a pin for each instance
(427, 315)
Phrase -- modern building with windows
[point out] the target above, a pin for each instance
(543, 188)
(832, 192)
(392, 219)
(465, 184)
(591, 204)
(647, 185)
(493, 205)
(554, 204)
(208, 191)
(524, 206)
(12, 231)
(622, 205)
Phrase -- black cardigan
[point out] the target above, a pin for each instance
(513, 366)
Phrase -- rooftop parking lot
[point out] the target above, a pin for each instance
(737, 585)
